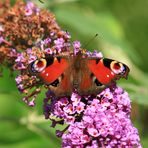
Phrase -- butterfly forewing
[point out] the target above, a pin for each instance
(54, 70)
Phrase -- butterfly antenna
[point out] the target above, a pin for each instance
(90, 40)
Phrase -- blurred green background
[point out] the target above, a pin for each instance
(122, 28)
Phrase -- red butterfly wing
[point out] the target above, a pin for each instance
(107, 70)
(53, 71)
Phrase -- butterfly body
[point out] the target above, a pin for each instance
(86, 75)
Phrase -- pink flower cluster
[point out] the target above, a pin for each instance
(94, 121)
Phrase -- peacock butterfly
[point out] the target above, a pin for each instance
(86, 75)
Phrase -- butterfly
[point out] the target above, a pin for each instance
(87, 75)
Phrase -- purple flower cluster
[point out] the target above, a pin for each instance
(100, 121)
